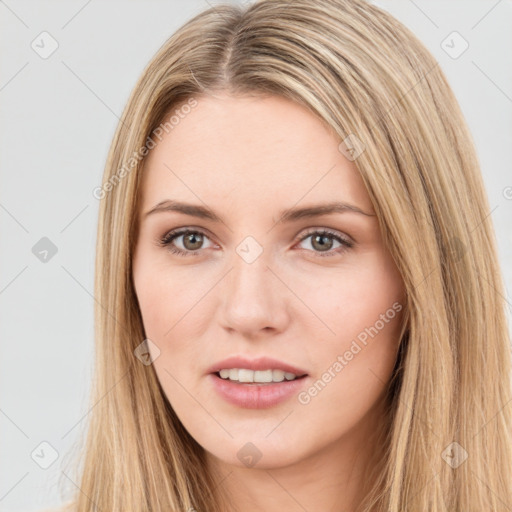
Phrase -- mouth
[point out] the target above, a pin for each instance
(257, 377)
(257, 383)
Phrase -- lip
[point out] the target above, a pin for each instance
(261, 363)
(256, 395)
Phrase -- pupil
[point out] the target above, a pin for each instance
(192, 236)
(322, 246)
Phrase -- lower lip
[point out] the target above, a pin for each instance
(256, 396)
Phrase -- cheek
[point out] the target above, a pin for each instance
(153, 300)
(354, 298)
(164, 297)
(170, 305)
(361, 311)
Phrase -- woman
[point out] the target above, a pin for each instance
(299, 303)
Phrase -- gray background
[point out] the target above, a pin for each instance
(58, 115)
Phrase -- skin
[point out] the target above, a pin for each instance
(248, 158)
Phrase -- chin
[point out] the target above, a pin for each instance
(258, 454)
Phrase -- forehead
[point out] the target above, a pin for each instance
(250, 148)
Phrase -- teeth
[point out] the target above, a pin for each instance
(263, 376)
(259, 376)
(277, 375)
(246, 375)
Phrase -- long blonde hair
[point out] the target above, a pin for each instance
(367, 76)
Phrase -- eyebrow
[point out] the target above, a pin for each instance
(288, 215)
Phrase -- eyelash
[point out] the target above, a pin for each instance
(167, 240)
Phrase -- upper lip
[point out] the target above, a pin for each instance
(261, 363)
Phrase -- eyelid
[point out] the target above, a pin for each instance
(345, 242)
(170, 236)
(332, 232)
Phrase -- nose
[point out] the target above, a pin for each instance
(255, 300)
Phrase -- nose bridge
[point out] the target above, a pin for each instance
(252, 301)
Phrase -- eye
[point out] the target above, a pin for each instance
(321, 243)
(191, 243)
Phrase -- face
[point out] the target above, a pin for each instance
(253, 283)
